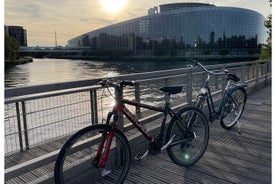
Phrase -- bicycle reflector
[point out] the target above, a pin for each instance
(186, 156)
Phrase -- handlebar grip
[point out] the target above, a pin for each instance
(126, 83)
(102, 83)
(195, 62)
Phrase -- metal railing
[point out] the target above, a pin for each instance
(39, 114)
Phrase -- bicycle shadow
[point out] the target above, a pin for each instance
(231, 158)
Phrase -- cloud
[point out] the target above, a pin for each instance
(41, 18)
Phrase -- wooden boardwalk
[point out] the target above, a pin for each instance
(230, 157)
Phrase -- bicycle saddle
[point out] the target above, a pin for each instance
(172, 90)
(233, 77)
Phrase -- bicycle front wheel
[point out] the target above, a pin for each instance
(233, 108)
(190, 132)
(79, 159)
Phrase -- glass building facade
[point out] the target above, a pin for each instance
(181, 28)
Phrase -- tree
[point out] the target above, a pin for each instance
(11, 48)
(266, 49)
(212, 41)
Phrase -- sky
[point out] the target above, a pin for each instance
(71, 18)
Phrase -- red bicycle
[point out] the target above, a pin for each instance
(101, 153)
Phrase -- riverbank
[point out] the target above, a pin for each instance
(160, 58)
(19, 61)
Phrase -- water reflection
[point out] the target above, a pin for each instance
(44, 71)
(56, 116)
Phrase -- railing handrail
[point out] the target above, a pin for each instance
(30, 90)
(34, 107)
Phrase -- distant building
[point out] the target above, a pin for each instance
(18, 33)
(182, 28)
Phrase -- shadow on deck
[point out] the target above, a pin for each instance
(230, 157)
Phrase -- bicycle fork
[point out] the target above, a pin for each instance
(103, 152)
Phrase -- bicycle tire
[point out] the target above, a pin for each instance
(232, 113)
(189, 152)
(75, 161)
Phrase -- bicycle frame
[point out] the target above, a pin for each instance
(134, 120)
(205, 94)
(120, 107)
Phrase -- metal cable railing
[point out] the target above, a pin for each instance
(40, 114)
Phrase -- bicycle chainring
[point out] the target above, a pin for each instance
(228, 108)
(155, 146)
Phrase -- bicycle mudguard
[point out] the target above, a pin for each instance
(240, 86)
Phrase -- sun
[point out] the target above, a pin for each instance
(113, 6)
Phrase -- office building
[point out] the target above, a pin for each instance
(18, 33)
(180, 29)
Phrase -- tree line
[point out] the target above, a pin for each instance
(11, 48)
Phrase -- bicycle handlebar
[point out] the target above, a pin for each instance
(196, 63)
(109, 83)
(225, 72)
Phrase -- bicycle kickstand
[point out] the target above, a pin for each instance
(140, 157)
(239, 127)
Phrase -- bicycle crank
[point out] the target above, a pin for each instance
(105, 172)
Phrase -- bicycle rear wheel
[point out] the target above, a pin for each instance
(191, 136)
(77, 162)
(233, 108)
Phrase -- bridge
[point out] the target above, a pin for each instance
(40, 52)
(46, 49)
(37, 118)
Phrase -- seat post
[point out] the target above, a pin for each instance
(167, 98)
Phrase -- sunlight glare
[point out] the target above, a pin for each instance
(113, 6)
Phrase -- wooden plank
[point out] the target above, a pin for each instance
(29, 165)
(230, 157)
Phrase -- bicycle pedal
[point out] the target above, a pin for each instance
(105, 172)
(138, 156)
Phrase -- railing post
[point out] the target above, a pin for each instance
(266, 72)
(216, 82)
(25, 124)
(243, 73)
(137, 99)
(119, 94)
(249, 72)
(189, 86)
(93, 107)
(120, 126)
(19, 126)
(224, 82)
(166, 81)
(257, 66)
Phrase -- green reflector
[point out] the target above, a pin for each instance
(186, 156)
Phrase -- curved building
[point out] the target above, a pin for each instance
(181, 28)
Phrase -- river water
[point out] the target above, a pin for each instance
(45, 71)
(48, 122)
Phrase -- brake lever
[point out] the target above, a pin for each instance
(102, 83)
